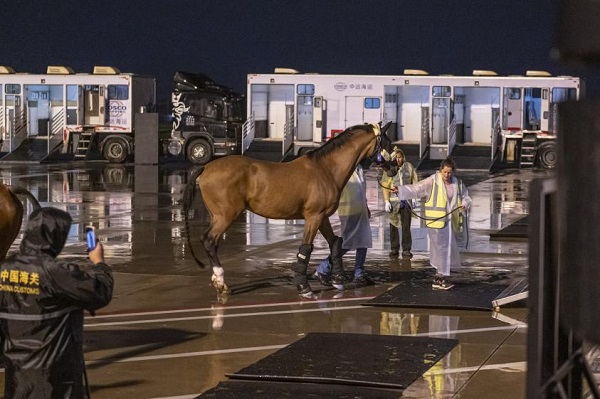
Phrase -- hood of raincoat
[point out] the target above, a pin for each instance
(47, 231)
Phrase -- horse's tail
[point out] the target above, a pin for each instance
(188, 202)
(23, 191)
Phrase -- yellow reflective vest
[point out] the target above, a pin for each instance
(436, 207)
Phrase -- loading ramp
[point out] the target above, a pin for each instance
(32, 150)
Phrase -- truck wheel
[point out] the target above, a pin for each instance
(115, 151)
(199, 152)
(546, 155)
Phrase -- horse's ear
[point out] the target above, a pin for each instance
(385, 127)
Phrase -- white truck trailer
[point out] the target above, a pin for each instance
(512, 118)
(71, 113)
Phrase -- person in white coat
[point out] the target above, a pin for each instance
(448, 202)
(354, 216)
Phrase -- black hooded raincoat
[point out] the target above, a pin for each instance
(41, 311)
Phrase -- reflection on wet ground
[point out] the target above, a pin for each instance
(165, 327)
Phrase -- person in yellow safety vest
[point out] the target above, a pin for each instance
(448, 201)
(355, 228)
(400, 211)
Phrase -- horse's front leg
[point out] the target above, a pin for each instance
(335, 247)
(311, 226)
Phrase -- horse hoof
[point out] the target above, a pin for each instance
(305, 291)
(309, 295)
(222, 290)
(337, 280)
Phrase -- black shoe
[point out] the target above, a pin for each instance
(362, 281)
(322, 278)
(338, 280)
(394, 254)
(407, 254)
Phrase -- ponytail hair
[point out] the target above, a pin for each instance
(449, 162)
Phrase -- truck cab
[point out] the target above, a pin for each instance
(207, 119)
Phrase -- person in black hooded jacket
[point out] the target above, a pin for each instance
(41, 310)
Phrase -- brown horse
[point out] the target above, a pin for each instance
(308, 188)
(11, 215)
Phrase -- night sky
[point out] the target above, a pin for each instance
(227, 39)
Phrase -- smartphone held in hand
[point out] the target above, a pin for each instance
(91, 238)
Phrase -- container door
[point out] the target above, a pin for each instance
(319, 119)
(545, 111)
(425, 132)
(373, 110)
(495, 130)
(16, 122)
(512, 110)
(440, 120)
(532, 101)
(451, 129)
(93, 105)
(305, 118)
(288, 131)
(361, 110)
(279, 96)
(353, 114)
(481, 121)
(38, 110)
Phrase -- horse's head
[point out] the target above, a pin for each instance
(383, 145)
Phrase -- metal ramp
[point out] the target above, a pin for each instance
(515, 292)
(83, 145)
(30, 150)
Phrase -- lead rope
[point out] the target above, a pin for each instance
(441, 217)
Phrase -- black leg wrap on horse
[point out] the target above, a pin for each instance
(301, 265)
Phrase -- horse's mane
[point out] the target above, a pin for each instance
(338, 141)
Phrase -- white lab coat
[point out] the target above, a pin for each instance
(354, 213)
(444, 250)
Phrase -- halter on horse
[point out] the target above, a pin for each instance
(308, 188)
(11, 215)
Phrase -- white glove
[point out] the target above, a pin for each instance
(388, 206)
(466, 206)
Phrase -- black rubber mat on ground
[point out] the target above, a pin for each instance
(418, 293)
(514, 231)
(378, 361)
(238, 389)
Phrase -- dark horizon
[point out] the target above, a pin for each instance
(228, 40)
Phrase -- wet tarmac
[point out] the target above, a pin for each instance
(166, 335)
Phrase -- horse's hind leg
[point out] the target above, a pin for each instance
(335, 247)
